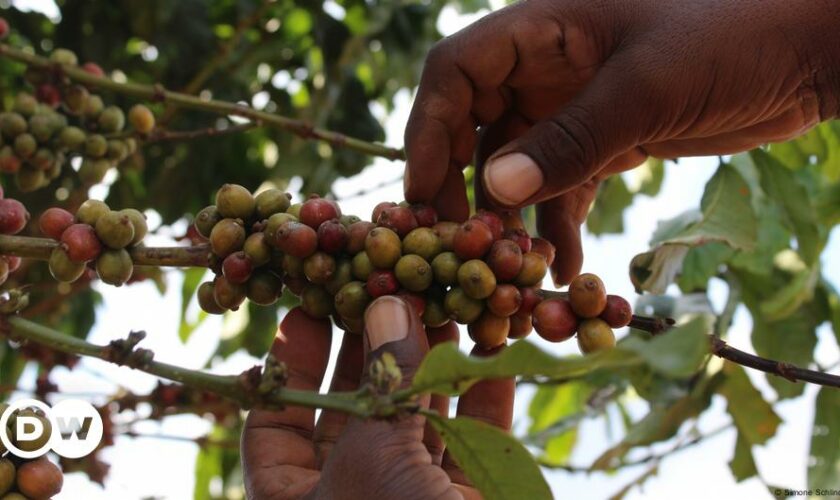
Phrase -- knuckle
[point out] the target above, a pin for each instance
(573, 143)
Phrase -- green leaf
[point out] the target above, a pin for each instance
(607, 213)
(742, 463)
(701, 264)
(677, 353)
(208, 465)
(447, 370)
(192, 279)
(496, 463)
(551, 405)
(649, 175)
(754, 417)
(790, 297)
(783, 187)
(824, 468)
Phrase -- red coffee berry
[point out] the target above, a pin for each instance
(472, 240)
(237, 267)
(618, 312)
(530, 299)
(377, 210)
(14, 262)
(505, 259)
(505, 300)
(4, 28)
(296, 239)
(13, 216)
(520, 326)
(93, 68)
(418, 303)
(554, 320)
(54, 221)
(81, 243)
(316, 211)
(48, 94)
(587, 295)
(426, 216)
(381, 283)
(544, 248)
(356, 234)
(398, 219)
(493, 221)
(332, 236)
(446, 232)
(520, 237)
(489, 330)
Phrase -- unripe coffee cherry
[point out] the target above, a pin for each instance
(297, 239)
(270, 202)
(493, 221)
(316, 302)
(228, 295)
(227, 237)
(533, 270)
(423, 242)
(544, 248)
(587, 295)
(141, 118)
(13, 216)
(316, 211)
(489, 330)
(343, 274)
(235, 202)
(62, 268)
(377, 210)
(39, 478)
(90, 211)
(347, 220)
(446, 232)
(595, 335)
(554, 320)
(295, 285)
(472, 240)
(461, 307)
(505, 300)
(383, 248)
(237, 267)
(274, 223)
(356, 234)
(381, 283)
(445, 268)
(25, 104)
(7, 475)
(256, 248)
(294, 210)
(413, 273)
(332, 236)
(476, 279)
(94, 107)
(96, 146)
(293, 266)
(72, 138)
(115, 230)
(28, 180)
(114, 266)
(25, 145)
(54, 221)
(617, 312)
(319, 267)
(434, 314)
(138, 222)
(81, 243)
(398, 219)
(520, 237)
(112, 119)
(425, 215)
(264, 288)
(207, 299)
(505, 260)
(64, 56)
(520, 326)
(352, 300)
(75, 99)
(361, 266)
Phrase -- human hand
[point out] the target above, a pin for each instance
(285, 455)
(564, 93)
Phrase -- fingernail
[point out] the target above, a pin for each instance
(386, 320)
(512, 179)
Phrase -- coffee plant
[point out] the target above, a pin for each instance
(243, 169)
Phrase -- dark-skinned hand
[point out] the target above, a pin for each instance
(551, 96)
(286, 455)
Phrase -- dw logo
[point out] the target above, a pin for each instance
(72, 428)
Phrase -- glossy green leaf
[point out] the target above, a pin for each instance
(677, 353)
(496, 463)
(824, 467)
(753, 416)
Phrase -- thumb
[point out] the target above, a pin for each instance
(564, 151)
(392, 326)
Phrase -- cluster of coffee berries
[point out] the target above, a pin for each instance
(22, 479)
(13, 218)
(587, 311)
(95, 234)
(62, 119)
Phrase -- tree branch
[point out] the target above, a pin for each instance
(160, 94)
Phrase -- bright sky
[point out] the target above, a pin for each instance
(163, 469)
